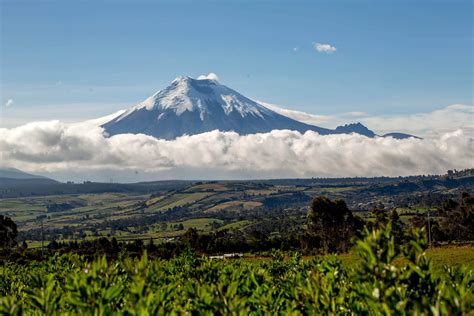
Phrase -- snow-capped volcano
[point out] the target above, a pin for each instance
(192, 106)
(199, 95)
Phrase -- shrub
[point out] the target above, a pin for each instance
(389, 280)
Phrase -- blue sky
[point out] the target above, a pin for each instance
(74, 60)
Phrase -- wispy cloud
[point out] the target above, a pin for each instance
(65, 112)
(427, 124)
(9, 103)
(324, 48)
(430, 124)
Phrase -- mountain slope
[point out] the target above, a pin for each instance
(193, 106)
(400, 135)
(190, 106)
(357, 128)
(312, 119)
(12, 173)
(11, 177)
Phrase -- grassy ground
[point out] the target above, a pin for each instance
(236, 225)
(208, 187)
(199, 223)
(452, 256)
(155, 232)
(440, 256)
(246, 205)
(178, 200)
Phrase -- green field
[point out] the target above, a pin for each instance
(440, 256)
(267, 206)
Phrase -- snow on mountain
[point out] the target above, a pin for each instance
(104, 119)
(193, 106)
(198, 95)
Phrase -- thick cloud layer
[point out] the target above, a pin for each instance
(57, 147)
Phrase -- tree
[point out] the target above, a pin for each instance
(457, 218)
(53, 245)
(8, 232)
(151, 245)
(333, 223)
(397, 227)
(103, 243)
(215, 225)
(381, 217)
(114, 244)
(163, 226)
(191, 237)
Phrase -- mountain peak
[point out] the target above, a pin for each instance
(202, 96)
(191, 106)
(355, 128)
(181, 79)
(203, 80)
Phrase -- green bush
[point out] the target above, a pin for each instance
(382, 284)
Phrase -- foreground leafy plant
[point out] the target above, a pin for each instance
(389, 280)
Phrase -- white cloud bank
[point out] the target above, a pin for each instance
(324, 48)
(57, 147)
